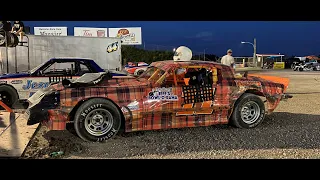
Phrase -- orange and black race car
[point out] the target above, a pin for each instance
(169, 94)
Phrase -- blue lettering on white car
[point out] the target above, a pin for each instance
(35, 85)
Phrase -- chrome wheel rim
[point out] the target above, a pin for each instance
(2, 39)
(98, 122)
(250, 112)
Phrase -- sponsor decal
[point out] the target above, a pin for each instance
(133, 105)
(112, 47)
(87, 111)
(35, 85)
(88, 33)
(101, 33)
(51, 31)
(16, 82)
(124, 34)
(163, 94)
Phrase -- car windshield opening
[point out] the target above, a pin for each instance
(37, 67)
(152, 73)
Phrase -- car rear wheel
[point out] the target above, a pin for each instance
(8, 95)
(97, 120)
(249, 111)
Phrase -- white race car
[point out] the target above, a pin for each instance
(20, 86)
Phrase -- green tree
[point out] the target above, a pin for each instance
(133, 54)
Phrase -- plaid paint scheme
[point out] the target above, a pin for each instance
(150, 114)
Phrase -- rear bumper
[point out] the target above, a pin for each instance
(286, 96)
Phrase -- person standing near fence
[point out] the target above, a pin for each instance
(228, 59)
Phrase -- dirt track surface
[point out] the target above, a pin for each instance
(292, 131)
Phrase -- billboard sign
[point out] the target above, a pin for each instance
(51, 31)
(90, 32)
(128, 35)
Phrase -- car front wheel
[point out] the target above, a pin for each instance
(97, 120)
(249, 111)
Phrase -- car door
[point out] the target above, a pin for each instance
(160, 101)
(176, 104)
(197, 99)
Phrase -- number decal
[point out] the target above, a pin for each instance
(112, 47)
(206, 111)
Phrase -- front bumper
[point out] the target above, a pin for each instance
(286, 96)
(36, 115)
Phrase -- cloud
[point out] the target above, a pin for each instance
(204, 36)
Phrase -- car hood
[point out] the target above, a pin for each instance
(275, 79)
(91, 79)
(14, 75)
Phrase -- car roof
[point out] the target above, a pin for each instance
(72, 58)
(168, 64)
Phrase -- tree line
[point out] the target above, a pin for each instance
(134, 54)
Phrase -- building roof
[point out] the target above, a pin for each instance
(265, 55)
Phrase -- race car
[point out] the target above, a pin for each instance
(136, 68)
(312, 65)
(20, 86)
(170, 94)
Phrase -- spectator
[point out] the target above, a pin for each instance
(18, 29)
(228, 59)
(6, 26)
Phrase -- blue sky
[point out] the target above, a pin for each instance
(299, 38)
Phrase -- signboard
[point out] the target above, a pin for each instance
(129, 36)
(278, 65)
(90, 32)
(51, 31)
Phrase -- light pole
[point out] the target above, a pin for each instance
(204, 54)
(254, 44)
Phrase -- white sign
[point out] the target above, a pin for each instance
(51, 31)
(129, 36)
(90, 32)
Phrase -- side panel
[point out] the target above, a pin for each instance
(26, 87)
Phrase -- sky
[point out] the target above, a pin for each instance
(291, 38)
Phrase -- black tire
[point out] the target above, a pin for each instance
(95, 106)
(15, 41)
(238, 120)
(11, 39)
(300, 69)
(292, 66)
(8, 95)
(2, 39)
(140, 72)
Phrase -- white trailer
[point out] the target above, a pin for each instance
(105, 51)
